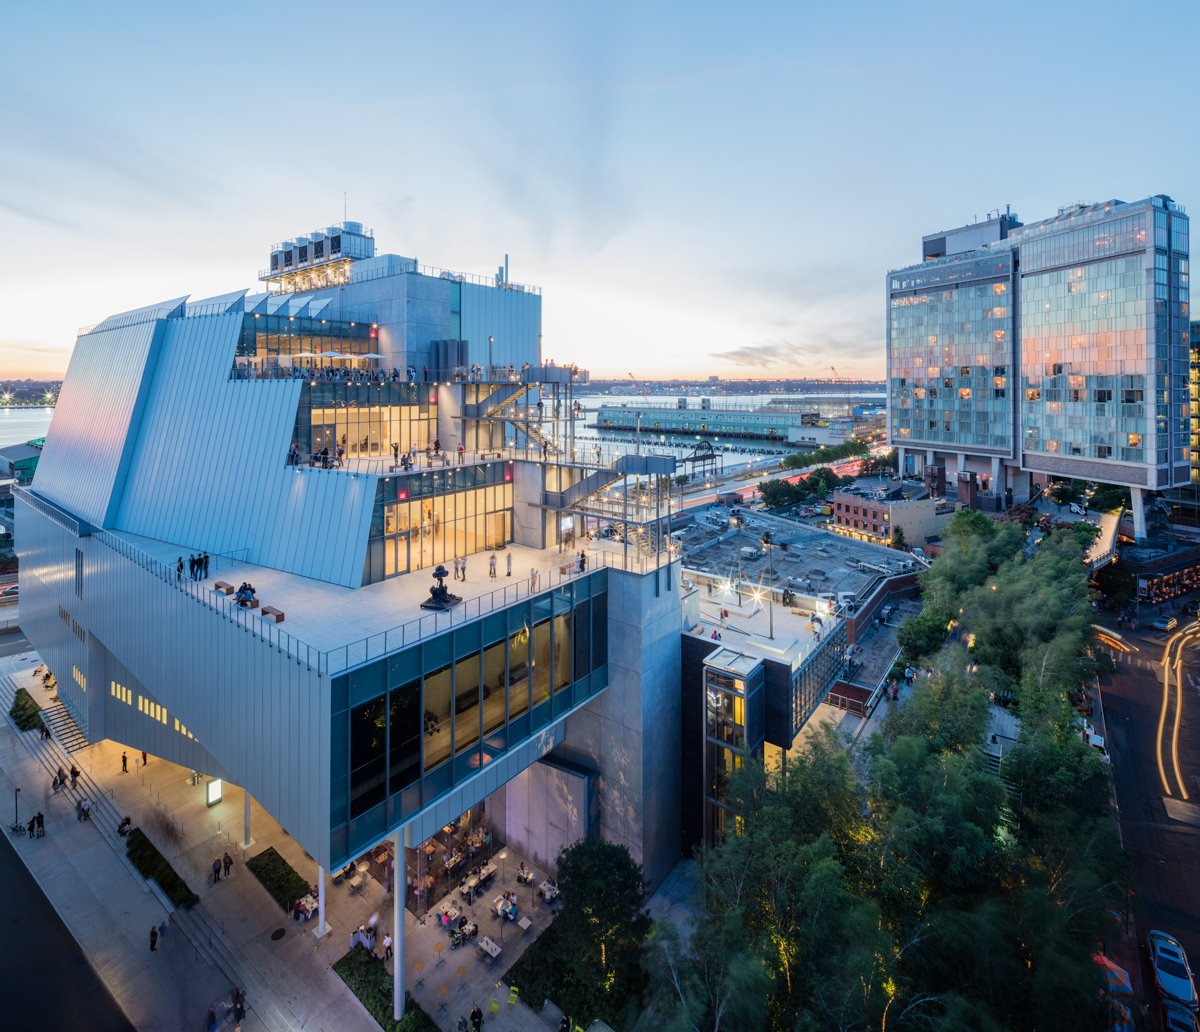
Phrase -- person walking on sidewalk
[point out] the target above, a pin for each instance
(227, 863)
(492, 567)
(124, 763)
(476, 1018)
(153, 938)
(387, 947)
(216, 869)
(144, 760)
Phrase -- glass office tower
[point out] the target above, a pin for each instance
(1058, 348)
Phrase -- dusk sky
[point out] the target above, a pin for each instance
(698, 188)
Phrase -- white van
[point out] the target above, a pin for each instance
(749, 552)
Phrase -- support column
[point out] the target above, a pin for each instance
(1139, 513)
(247, 841)
(322, 928)
(961, 460)
(997, 483)
(400, 847)
(900, 462)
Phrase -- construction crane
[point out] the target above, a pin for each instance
(836, 374)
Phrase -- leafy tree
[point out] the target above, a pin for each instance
(1108, 497)
(599, 929)
(898, 539)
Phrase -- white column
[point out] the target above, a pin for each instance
(899, 462)
(1139, 513)
(997, 483)
(399, 894)
(321, 929)
(962, 462)
(246, 839)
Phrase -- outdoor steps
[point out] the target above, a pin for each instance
(64, 728)
(194, 925)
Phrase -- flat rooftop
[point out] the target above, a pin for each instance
(334, 627)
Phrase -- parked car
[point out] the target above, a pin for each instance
(1176, 1017)
(1165, 623)
(1172, 974)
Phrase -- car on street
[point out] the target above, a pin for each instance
(1177, 1018)
(1172, 974)
(9, 593)
(1165, 623)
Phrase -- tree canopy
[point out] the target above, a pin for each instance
(906, 884)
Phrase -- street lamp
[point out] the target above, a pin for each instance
(767, 545)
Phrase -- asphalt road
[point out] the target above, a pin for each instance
(1162, 837)
(13, 643)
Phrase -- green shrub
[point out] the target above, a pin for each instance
(368, 979)
(26, 713)
(278, 877)
(152, 864)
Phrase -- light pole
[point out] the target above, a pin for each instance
(767, 544)
(16, 811)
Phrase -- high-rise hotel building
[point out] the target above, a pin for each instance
(1058, 348)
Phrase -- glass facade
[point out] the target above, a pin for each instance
(407, 728)
(430, 517)
(1104, 338)
(272, 342)
(733, 731)
(950, 354)
(365, 419)
(1073, 330)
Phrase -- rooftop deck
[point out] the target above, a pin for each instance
(333, 628)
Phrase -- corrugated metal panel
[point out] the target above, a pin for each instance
(262, 715)
(87, 446)
(209, 469)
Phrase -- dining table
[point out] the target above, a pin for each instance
(489, 946)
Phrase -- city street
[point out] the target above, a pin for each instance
(1161, 832)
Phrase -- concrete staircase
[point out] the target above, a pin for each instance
(64, 729)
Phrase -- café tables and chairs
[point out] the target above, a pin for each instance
(489, 946)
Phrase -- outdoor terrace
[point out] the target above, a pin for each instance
(333, 628)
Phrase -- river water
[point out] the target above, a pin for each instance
(21, 424)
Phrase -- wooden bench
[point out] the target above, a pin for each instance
(271, 613)
(223, 587)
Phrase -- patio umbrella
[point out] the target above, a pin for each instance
(1115, 978)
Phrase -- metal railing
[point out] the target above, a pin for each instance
(334, 661)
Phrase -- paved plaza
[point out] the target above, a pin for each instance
(229, 937)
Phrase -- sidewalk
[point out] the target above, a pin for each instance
(227, 938)
(109, 908)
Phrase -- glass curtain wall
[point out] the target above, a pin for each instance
(422, 533)
(488, 686)
(282, 342)
(365, 420)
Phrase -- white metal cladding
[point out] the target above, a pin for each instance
(209, 468)
(263, 715)
(87, 446)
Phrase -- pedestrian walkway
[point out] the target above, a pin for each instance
(229, 937)
(110, 908)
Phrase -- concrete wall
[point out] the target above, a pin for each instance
(529, 519)
(631, 733)
(541, 811)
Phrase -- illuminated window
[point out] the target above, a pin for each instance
(964, 394)
(1135, 440)
(1033, 394)
(999, 288)
(119, 691)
